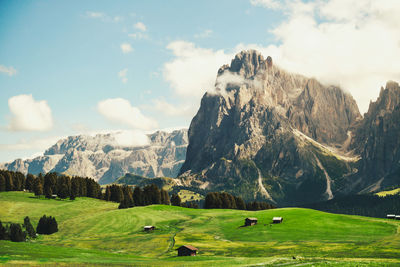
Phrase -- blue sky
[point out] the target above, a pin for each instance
(73, 67)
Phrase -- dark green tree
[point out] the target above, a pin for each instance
(47, 225)
(2, 183)
(3, 232)
(29, 228)
(165, 197)
(240, 204)
(138, 196)
(30, 179)
(9, 181)
(175, 200)
(16, 234)
(63, 191)
(38, 187)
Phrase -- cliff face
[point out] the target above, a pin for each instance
(266, 133)
(101, 158)
(378, 143)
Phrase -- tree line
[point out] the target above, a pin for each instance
(50, 185)
(224, 200)
(17, 233)
(53, 185)
(365, 205)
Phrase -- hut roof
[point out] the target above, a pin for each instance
(149, 226)
(189, 247)
(277, 218)
(251, 219)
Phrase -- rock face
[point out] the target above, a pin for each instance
(101, 158)
(377, 140)
(268, 134)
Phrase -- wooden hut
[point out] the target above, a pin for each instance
(397, 217)
(277, 220)
(149, 228)
(187, 251)
(391, 216)
(250, 221)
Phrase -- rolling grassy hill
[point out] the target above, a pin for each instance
(93, 232)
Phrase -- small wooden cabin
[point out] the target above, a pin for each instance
(397, 217)
(391, 216)
(277, 220)
(187, 251)
(250, 221)
(149, 228)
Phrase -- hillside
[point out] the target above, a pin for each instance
(96, 232)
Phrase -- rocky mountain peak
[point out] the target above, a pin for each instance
(389, 98)
(248, 63)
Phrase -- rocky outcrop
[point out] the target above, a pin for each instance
(378, 143)
(265, 120)
(101, 158)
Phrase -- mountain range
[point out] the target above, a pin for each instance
(101, 157)
(263, 133)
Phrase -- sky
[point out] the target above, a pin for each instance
(86, 67)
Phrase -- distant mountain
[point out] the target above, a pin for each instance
(270, 134)
(101, 158)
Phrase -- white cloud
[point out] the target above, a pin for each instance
(120, 111)
(28, 114)
(122, 74)
(272, 4)
(126, 48)
(103, 16)
(95, 15)
(173, 110)
(140, 26)
(357, 48)
(204, 34)
(138, 35)
(193, 70)
(10, 71)
(131, 138)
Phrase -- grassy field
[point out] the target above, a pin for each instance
(94, 232)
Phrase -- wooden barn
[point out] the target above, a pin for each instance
(250, 221)
(149, 228)
(187, 251)
(391, 216)
(277, 220)
(397, 217)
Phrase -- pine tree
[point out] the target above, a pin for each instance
(63, 191)
(3, 232)
(138, 196)
(16, 234)
(47, 225)
(29, 228)
(48, 192)
(2, 183)
(38, 187)
(165, 197)
(30, 179)
(240, 203)
(175, 200)
(9, 181)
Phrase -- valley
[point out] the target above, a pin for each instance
(95, 232)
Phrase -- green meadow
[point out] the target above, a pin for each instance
(95, 232)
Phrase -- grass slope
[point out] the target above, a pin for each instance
(94, 232)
